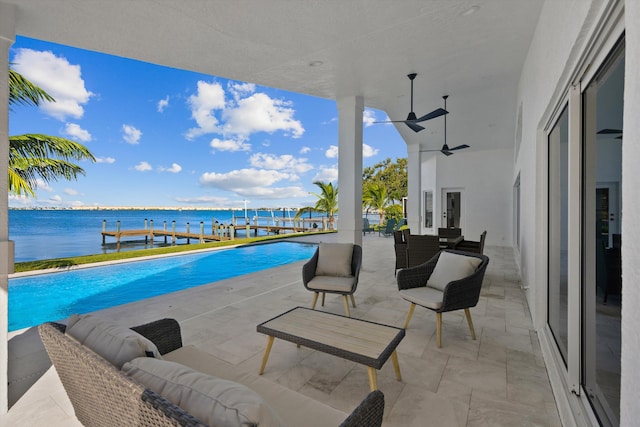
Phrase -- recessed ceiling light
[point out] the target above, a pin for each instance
(315, 63)
(473, 9)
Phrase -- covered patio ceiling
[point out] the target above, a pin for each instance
(472, 50)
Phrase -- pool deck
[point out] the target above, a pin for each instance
(498, 380)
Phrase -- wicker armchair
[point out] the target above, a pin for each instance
(422, 285)
(472, 246)
(421, 248)
(400, 247)
(103, 396)
(333, 284)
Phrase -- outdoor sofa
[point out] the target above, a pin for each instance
(107, 389)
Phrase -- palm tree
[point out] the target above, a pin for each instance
(34, 156)
(375, 197)
(327, 201)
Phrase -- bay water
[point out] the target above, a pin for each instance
(57, 233)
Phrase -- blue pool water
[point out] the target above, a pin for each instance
(54, 296)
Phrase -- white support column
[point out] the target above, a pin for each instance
(7, 37)
(350, 169)
(414, 189)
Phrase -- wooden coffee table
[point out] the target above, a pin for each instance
(360, 341)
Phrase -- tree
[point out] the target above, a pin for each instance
(327, 201)
(393, 176)
(375, 197)
(33, 156)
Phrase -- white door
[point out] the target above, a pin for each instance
(608, 210)
(452, 208)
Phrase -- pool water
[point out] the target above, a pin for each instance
(53, 296)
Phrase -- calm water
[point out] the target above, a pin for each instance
(46, 234)
(49, 297)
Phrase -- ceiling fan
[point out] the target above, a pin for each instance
(445, 148)
(611, 132)
(412, 120)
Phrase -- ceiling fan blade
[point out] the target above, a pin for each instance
(446, 153)
(432, 115)
(459, 147)
(414, 126)
(609, 131)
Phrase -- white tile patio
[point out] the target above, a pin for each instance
(498, 380)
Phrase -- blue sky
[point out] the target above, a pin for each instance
(168, 137)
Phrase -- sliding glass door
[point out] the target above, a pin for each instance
(558, 238)
(602, 238)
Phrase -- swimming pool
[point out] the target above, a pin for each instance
(53, 296)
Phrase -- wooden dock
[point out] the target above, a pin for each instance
(219, 232)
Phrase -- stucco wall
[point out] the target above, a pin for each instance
(547, 63)
(486, 176)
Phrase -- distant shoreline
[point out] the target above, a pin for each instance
(143, 208)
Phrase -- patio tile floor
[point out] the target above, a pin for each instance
(497, 380)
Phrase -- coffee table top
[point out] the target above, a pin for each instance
(361, 341)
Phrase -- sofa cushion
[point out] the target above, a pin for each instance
(293, 408)
(452, 267)
(334, 259)
(114, 342)
(215, 401)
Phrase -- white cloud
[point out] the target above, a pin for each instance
(284, 162)
(369, 151)
(143, 167)
(19, 200)
(260, 113)
(332, 152)
(162, 104)
(175, 168)
(209, 200)
(254, 183)
(210, 97)
(368, 117)
(58, 78)
(238, 90)
(305, 150)
(131, 134)
(246, 112)
(241, 179)
(42, 185)
(55, 199)
(108, 160)
(76, 132)
(71, 192)
(230, 145)
(327, 174)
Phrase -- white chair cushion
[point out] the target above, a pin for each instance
(452, 267)
(331, 283)
(214, 401)
(334, 259)
(424, 297)
(114, 342)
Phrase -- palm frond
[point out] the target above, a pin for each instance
(24, 92)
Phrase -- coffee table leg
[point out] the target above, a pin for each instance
(266, 353)
(373, 378)
(396, 365)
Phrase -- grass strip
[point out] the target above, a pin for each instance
(115, 256)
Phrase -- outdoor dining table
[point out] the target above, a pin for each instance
(450, 242)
